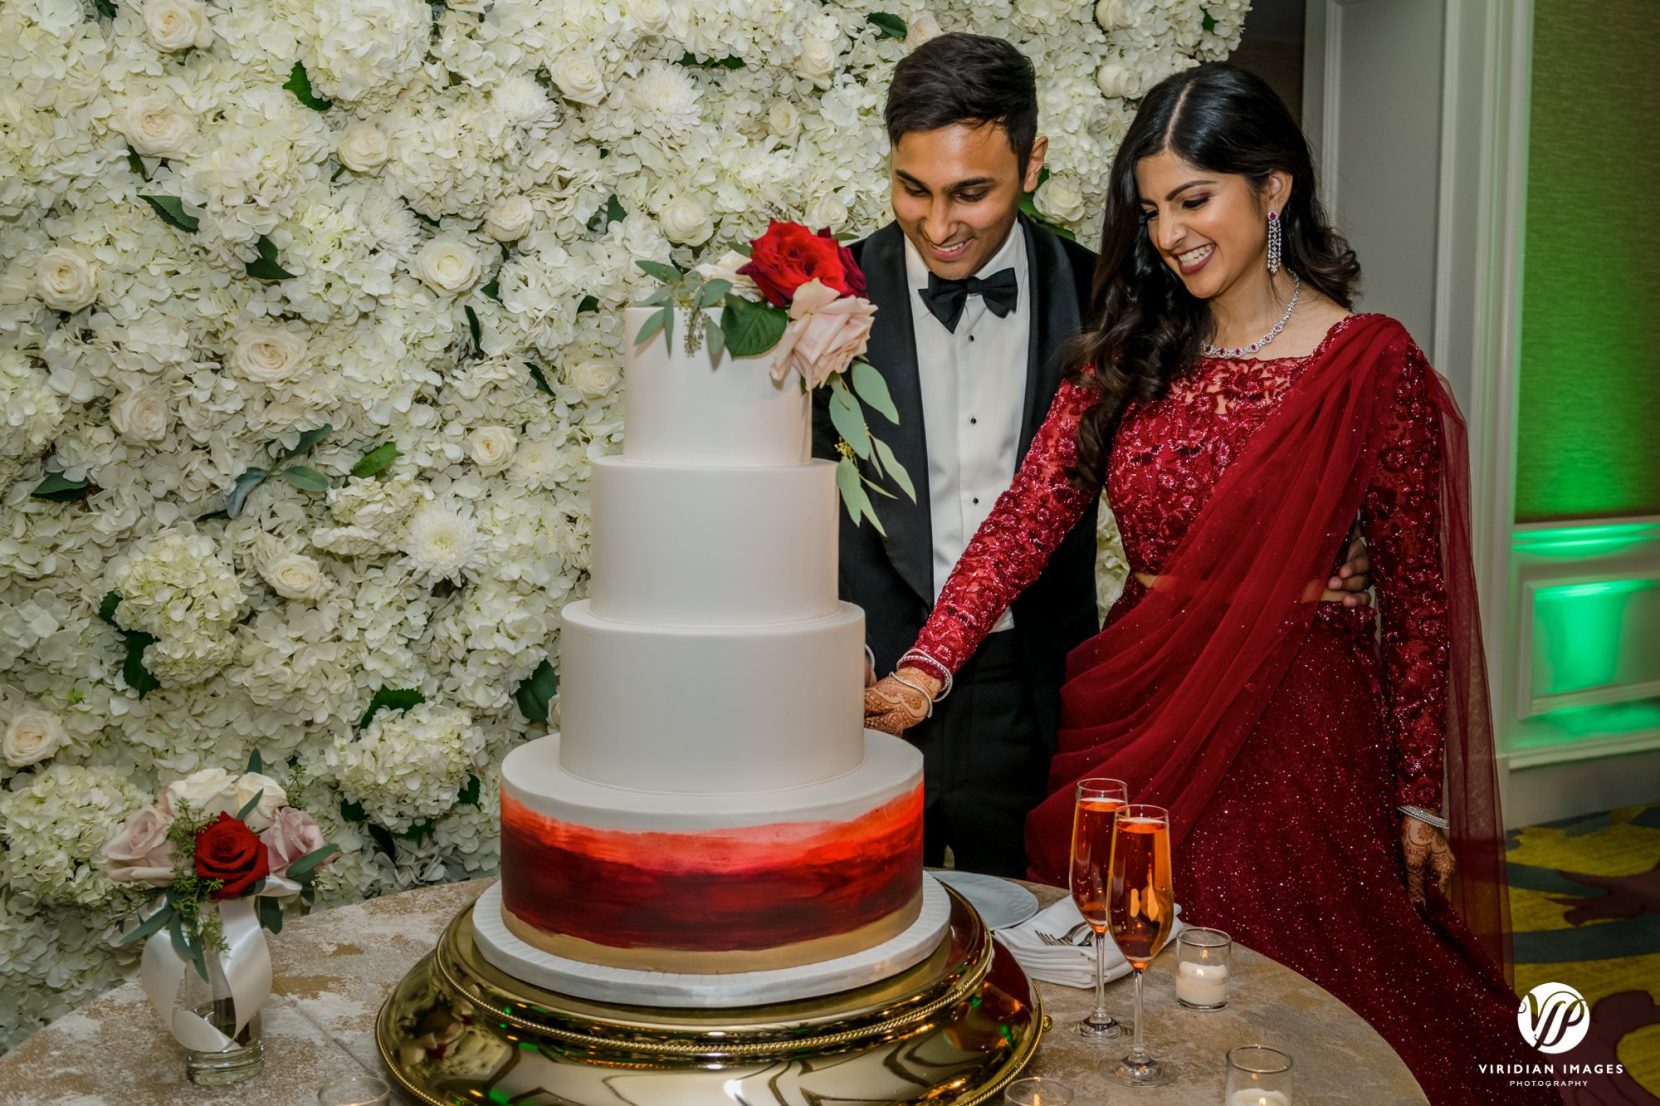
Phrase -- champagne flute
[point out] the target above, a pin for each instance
(1093, 814)
(1141, 903)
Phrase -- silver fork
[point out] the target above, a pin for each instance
(1073, 936)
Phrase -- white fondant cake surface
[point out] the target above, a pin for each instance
(501, 947)
(681, 546)
(532, 776)
(689, 409)
(694, 709)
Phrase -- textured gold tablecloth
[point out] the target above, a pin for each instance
(334, 968)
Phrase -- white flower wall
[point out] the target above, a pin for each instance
(309, 330)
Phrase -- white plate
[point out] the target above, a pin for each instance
(1000, 902)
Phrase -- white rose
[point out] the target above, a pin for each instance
(296, 576)
(32, 736)
(783, 118)
(578, 79)
(272, 797)
(155, 128)
(204, 792)
(827, 211)
(593, 378)
(65, 279)
(492, 448)
(1059, 198)
(510, 218)
(1112, 14)
(817, 61)
(685, 221)
(921, 29)
(447, 266)
(177, 25)
(726, 267)
(142, 415)
(1117, 80)
(363, 148)
(266, 355)
(651, 16)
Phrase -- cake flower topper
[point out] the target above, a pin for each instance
(799, 295)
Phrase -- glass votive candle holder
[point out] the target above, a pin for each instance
(1258, 1076)
(1202, 967)
(1037, 1090)
(357, 1090)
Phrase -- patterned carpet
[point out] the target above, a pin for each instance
(1585, 904)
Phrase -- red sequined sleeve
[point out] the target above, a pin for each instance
(1401, 524)
(1011, 548)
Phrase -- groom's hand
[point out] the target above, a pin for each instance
(1353, 577)
(900, 701)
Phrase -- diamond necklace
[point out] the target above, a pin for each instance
(1209, 350)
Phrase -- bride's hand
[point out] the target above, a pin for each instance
(894, 705)
(1427, 855)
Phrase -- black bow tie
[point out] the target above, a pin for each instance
(945, 298)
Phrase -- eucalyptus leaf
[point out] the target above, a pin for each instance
(186, 949)
(873, 389)
(894, 469)
(256, 763)
(306, 479)
(652, 325)
(301, 870)
(245, 483)
(848, 420)
(666, 273)
(713, 292)
(150, 925)
(715, 336)
(308, 441)
(851, 487)
(249, 806)
(270, 913)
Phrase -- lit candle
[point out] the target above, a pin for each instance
(1250, 1097)
(1202, 984)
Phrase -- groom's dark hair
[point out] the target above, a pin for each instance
(963, 78)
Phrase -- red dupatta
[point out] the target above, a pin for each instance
(1165, 697)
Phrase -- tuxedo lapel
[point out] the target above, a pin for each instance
(909, 541)
(1056, 320)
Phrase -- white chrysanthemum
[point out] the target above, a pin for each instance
(55, 827)
(388, 221)
(407, 767)
(372, 515)
(665, 99)
(443, 543)
(366, 47)
(521, 100)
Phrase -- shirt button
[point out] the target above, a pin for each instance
(971, 337)
(972, 421)
(976, 501)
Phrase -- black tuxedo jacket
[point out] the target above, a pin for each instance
(892, 577)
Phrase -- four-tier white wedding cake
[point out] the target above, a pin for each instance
(711, 802)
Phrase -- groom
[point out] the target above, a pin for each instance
(974, 304)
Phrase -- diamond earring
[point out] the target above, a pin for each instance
(1274, 236)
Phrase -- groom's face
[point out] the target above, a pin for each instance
(956, 193)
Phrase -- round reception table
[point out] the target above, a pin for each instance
(333, 969)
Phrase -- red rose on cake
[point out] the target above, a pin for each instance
(789, 255)
(228, 850)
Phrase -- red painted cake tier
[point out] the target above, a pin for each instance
(810, 885)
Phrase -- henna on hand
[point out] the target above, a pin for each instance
(893, 707)
(1426, 851)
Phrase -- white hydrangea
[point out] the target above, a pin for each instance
(55, 827)
(409, 766)
(176, 585)
(29, 410)
(364, 48)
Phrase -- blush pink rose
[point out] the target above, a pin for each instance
(141, 853)
(292, 834)
(827, 331)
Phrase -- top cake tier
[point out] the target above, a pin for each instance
(689, 409)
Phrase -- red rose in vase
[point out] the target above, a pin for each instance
(789, 255)
(230, 851)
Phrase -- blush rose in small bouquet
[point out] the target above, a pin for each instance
(224, 851)
(801, 296)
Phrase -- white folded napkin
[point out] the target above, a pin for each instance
(1067, 965)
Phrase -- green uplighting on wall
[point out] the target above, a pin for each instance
(1589, 393)
(1609, 539)
(1582, 630)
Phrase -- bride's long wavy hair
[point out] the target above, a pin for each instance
(1147, 326)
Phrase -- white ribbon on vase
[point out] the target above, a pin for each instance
(243, 969)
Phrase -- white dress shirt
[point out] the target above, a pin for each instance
(973, 384)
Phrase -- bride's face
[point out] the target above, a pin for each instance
(956, 193)
(1210, 228)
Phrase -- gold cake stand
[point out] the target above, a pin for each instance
(954, 1028)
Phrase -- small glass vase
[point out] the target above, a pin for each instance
(244, 1057)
